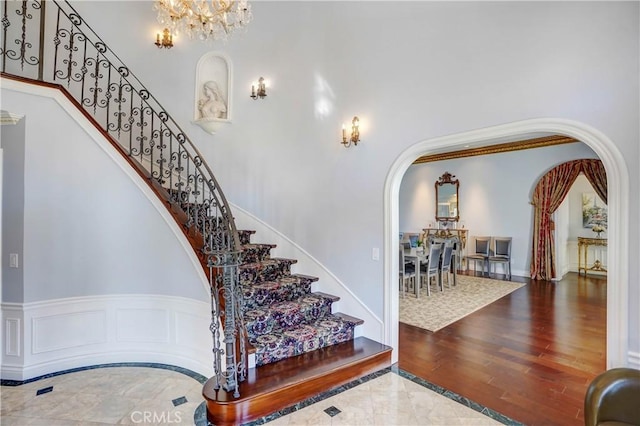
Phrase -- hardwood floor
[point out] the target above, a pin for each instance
(529, 355)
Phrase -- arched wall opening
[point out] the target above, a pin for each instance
(618, 203)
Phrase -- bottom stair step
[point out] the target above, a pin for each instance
(325, 331)
(275, 386)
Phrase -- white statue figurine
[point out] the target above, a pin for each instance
(211, 105)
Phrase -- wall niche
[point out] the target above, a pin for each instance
(212, 104)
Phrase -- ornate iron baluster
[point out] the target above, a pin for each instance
(22, 41)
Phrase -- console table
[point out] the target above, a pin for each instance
(459, 233)
(583, 251)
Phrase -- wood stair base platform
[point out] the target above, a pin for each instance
(275, 386)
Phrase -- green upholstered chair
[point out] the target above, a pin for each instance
(613, 398)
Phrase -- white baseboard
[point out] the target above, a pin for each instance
(57, 335)
(634, 360)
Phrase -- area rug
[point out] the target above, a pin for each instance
(443, 308)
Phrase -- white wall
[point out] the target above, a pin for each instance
(411, 71)
(494, 194)
(87, 229)
(13, 136)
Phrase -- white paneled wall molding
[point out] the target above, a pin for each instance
(50, 336)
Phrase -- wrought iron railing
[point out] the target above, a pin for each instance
(66, 51)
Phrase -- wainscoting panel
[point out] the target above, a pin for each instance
(54, 332)
(50, 336)
(143, 325)
(189, 336)
(12, 337)
(13, 344)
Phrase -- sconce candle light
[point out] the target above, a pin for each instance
(262, 90)
(166, 41)
(355, 133)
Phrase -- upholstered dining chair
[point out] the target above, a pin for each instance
(431, 268)
(483, 245)
(446, 264)
(407, 276)
(501, 254)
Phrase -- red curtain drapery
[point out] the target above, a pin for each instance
(548, 194)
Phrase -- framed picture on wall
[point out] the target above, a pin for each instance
(594, 210)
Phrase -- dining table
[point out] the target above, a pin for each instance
(419, 255)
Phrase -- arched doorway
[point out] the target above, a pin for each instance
(618, 179)
(548, 194)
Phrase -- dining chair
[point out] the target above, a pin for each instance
(483, 245)
(431, 268)
(501, 254)
(445, 265)
(407, 275)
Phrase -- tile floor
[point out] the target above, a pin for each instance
(142, 395)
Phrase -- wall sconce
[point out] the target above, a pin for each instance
(355, 133)
(262, 90)
(166, 41)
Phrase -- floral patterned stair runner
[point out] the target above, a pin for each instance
(282, 316)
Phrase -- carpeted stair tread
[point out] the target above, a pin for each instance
(266, 270)
(282, 289)
(349, 318)
(280, 316)
(256, 252)
(323, 332)
(306, 277)
(327, 296)
(283, 318)
(245, 235)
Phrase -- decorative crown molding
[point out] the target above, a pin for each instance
(7, 117)
(498, 148)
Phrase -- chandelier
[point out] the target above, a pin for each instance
(203, 19)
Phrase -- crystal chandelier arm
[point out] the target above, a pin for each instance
(206, 19)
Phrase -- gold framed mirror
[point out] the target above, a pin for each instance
(447, 201)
